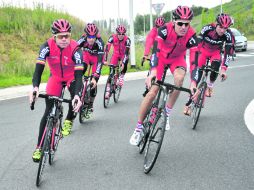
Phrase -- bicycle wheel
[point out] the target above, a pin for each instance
(83, 112)
(117, 92)
(155, 140)
(145, 131)
(55, 138)
(106, 99)
(197, 106)
(44, 155)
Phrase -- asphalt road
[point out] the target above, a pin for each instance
(97, 155)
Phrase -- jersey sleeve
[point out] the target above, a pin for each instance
(40, 64)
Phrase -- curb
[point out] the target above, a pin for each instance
(21, 91)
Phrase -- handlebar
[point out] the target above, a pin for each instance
(48, 97)
(143, 61)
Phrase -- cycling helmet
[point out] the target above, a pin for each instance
(183, 13)
(60, 25)
(91, 29)
(224, 20)
(121, 29)
(160, 21)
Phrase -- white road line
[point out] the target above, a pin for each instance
(249, 116)
(239, 66)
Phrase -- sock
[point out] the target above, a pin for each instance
(210, 84)
(139, 126)
(168, 110)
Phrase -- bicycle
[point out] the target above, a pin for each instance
(86, 96)
(197, 105)
(155, 123)
(112, 86)
(52, 132)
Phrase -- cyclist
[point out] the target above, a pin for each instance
(212, 38)
(121, 44)
(160, 21)
(93, 50)
(65, 63)
(169, 50)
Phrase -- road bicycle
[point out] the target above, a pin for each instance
(197, 105)
(52, 132)
(112, 86)
(86, 96)
(155, 123)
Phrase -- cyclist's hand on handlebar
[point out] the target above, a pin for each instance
(149, 79)
(223, 75)
(33, 95)
(76, 103)
(94, 83)
(194, 90)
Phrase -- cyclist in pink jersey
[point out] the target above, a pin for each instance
(121, 44)
(65, 62)
(93, 51)
(212, 38)
(150, 38)
(169, 49)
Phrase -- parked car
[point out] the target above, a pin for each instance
(240, 40)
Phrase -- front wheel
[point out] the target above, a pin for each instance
(197, 106)
(44, 155)
(155, 140)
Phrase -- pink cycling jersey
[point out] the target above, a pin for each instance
(93, 54)
(211, 45)
(62, 64)
(150, 40)
(170, 49)
(120, 49)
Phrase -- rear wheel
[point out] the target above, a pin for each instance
(107, 90)
(197, 106)
(83, 112)
(117, 92)
(44, 155)
(155, 140)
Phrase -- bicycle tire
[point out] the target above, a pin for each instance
(117, 92)
(44, 154)
(155, 137)
(106, 100)
(197, 107)
(83, 111)
(145, 131)
(56, 136)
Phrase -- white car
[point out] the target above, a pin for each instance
(240, 40)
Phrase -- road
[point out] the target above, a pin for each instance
(97, 155)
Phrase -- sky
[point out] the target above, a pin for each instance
(89, 10)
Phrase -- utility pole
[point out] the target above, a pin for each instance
(151, 16)
(220, 6)
(133, 60)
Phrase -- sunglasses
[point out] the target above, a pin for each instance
(91, 37)
(61, 36)
(222, 27)
(183, 23)
(121, 34)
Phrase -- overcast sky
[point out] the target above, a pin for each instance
(89, 10)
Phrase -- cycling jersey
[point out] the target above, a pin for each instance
(170, 49)
(64, 64)
(120, 51)
(93, 54)
(212, 43)
(150, 40)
